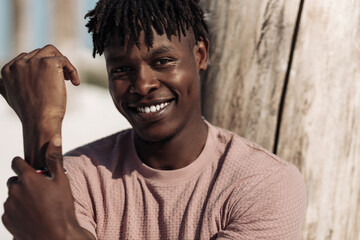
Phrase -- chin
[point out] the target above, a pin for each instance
(155, 135)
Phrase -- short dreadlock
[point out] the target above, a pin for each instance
(128, 17)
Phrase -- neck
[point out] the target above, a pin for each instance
(176, 152)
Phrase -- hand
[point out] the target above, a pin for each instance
(39, 207)
(33, 85)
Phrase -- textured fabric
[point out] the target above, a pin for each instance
(233, 190)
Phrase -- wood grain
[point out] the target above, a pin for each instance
(250, 46)
(320, 132)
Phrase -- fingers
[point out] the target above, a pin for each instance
(70, 72)
(6, 69)
(54, 156)
(21, 55)
(31, 54)
(7, 222)
(11, 181)
(48, 51)
(19, 166)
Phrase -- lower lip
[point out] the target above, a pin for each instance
(153, 116)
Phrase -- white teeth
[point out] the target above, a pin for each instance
(152, 108)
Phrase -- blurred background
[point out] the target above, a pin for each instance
(284, 74)
(29, 24)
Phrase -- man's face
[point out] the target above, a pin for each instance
(157, 89)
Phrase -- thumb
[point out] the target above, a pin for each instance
(54, 156)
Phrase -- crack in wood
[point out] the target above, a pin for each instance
(287, 76)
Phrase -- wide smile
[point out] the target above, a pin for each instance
(150, 111)
(153, 108)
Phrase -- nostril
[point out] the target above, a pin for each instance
(144, 86)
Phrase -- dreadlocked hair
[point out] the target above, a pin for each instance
(128, 18)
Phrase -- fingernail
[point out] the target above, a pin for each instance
(57, 141)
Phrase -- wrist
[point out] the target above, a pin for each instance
(37, 135)
(75, 232)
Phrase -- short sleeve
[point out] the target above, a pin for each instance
(82, 202)
(275, 209)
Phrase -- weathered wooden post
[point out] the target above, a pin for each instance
(253, 42)
(250, 46)
(320, 131)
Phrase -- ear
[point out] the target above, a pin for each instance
(202, 53)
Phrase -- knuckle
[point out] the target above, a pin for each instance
(17, 65)
(21, 55)
(46, 62)
(4, 70)
(49, 47)
(11, 181)
(12, 195)
(5, 219)
(55, 156)
(65, 59)
(32, 61)
(53, 159)
(15, 161)
(7, 205)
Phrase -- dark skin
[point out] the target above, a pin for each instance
(38, 207)
(33, 85)
(170, 136)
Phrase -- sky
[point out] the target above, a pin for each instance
(39, 18)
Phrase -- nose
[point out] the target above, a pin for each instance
(145, 81)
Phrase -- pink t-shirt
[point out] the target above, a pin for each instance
(233, 190)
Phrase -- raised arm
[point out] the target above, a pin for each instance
(33, 85)
(39, 207)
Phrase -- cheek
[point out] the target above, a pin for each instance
(118, 90)
(186, 81)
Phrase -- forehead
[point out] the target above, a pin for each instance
(160, 43)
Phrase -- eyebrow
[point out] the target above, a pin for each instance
(151, 54)
(160, 50)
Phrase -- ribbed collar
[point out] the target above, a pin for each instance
(178, 175)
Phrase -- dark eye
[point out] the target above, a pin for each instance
(162, 61)
(122, 69)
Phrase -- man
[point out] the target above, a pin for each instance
(174, 175)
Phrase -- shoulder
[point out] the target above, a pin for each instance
(245, 152)
(100, 152)
(264, 192)
(246, 164)
(102, 145)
